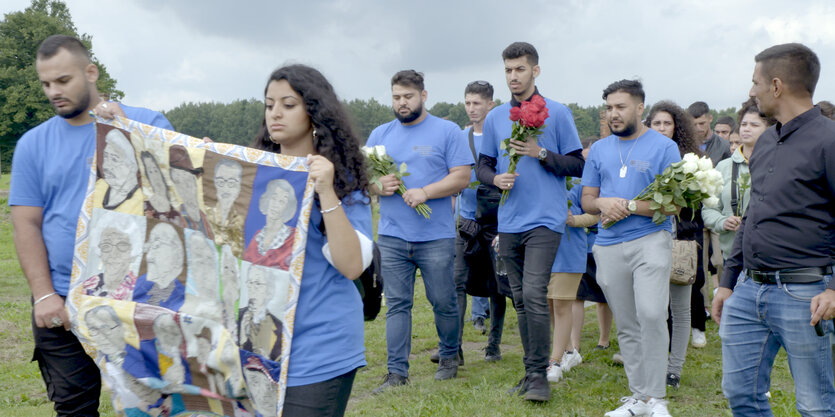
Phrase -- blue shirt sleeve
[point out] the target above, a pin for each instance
(458, 151)
(359, 213)
(26, 176)
(591, 173)
(373, 138)
(489, 143)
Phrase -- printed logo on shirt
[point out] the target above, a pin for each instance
(424, 150)
(641, 166)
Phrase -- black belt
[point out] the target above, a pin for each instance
(791, 276)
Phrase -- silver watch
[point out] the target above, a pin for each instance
(632, 206)
(543, 153)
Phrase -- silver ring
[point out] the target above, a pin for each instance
(104, 105)
(57, 322)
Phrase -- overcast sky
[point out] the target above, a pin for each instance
(164, 53)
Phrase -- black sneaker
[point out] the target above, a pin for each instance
(478, 324)
(673, 380)
(492, 354)
(520, 387)
(447, 369)
(435, 357)
(538, 388)
(391, 381)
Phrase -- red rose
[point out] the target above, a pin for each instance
(538, 101)
(515, 114)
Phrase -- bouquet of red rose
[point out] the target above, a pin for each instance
(528, 121)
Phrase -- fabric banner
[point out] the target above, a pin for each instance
(186, 274)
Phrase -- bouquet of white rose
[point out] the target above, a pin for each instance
(380, 164)
(687, 183)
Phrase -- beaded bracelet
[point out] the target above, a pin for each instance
(338, 204)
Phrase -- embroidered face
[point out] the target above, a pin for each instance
(229, 276)
(106, 330)
(259, 289)
(186, 185)
(164, 255)
(263, 391)
(202, 266)
(169, 336)
(118, 162)
(115, 248)
(159, 197)
(227, 183)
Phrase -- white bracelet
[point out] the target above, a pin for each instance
(44, 298)
(331, 209)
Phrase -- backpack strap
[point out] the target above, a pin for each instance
(734, 196)
(472, 146)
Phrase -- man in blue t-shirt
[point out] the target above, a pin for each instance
(634, 255)
(532, 219)
(50, 172)
(439, 163)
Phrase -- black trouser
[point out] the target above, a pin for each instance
(697, 300)
(528, 257)
(498, 303)
(325, 399)
(73, 381)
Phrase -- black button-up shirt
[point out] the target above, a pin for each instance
(790, 220)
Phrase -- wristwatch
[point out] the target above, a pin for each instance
(543, 153)
(632, 206)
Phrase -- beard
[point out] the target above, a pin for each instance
(83, 103)
(628, 129)
(411, 117)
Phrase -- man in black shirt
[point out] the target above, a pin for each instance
(784, 246)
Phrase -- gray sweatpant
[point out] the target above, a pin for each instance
(635, 277)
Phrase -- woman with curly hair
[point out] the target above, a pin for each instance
(304, 118)
(686, 302)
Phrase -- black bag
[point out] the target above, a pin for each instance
(370, 286)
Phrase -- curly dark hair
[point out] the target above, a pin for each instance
(334, 137)
(750, 106)
(684, 132)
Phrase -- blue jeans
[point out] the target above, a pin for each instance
(480, 306)
(757, 320)
(400, 259)
(528, 258)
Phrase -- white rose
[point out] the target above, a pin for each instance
(690, 167)
(716, 176)
(366, 150)
(700, 175)
(711, 201)
(705, 164)
(380, 150)
(690, 157)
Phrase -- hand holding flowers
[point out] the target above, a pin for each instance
(687, 183)
(528, 121)
(385, 174)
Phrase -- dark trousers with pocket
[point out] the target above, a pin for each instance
(73, 381)
(321, 399)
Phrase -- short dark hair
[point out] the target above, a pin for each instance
(632, 87)
(408, 78)
(726, 120)
(827, 109)
(794, 63)
(482, 88)
(520, 49)
(51, 45)
(698, 109)
(750, 106)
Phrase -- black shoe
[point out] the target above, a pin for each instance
(435, 357)
(478, 323)
(447, 369)
(673, 380)
(492, 354)
(538, 388)
(601, 347)
(391, 381)
(520, 387)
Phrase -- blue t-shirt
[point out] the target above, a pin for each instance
(652, 153)
(466, 200)
(50, 169)
(573, 249)
(538, 197)
(429, 149)
(328, 331)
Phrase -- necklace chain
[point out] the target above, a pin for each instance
(620, 154)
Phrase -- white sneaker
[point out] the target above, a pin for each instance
(570, 360)
(631, 407)
(554, 373)
(617, 358)
(699, 340)
(658, 407)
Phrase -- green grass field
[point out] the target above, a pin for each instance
(591, 389)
